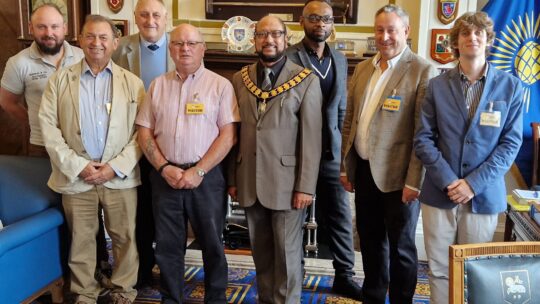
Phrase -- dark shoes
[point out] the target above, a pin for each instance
(347, 287)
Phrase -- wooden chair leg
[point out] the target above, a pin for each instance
(57, 291)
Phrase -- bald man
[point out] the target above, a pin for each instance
(275, 172)
(26, 73)
(186, 128)
(333, 210)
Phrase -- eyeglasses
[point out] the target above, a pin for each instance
(190, 44)
(317, 18)
(274, 34)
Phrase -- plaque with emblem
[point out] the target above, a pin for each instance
(441, 50)
(447, 10)
(238, 33)
(115, 5)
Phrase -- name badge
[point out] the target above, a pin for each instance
(490, 119)
(194, 108)
(392, 103)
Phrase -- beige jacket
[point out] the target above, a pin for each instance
(392, 161)
(59, 118)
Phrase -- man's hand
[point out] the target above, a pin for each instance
(409, 195)
(89, 170)
(190, 179)
(103, 174)
(302, 200)
(172, 175)
(460, 192)
(233, 192)
(346, 184)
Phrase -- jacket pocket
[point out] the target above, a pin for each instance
(288, 160)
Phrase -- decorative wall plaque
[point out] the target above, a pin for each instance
(447, 10)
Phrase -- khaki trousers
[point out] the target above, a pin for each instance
(81, 210)
(445, 227)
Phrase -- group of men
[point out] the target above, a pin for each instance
(284, 131)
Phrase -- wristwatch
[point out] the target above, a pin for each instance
(200, 172)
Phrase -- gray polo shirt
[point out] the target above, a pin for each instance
(27, 73)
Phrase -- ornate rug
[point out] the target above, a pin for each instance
(242, 287)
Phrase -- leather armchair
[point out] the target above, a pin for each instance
(495, 273)
(32, 242)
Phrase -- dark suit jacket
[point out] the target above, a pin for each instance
(279, 152)
(451, 148)
(392, 161)
(334, 108)
(127, 55)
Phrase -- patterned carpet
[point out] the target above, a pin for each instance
(242, 288)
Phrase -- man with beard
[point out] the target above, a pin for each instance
(332, 208)
(275, 170)
(26, 73)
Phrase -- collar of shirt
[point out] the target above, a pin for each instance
(196, 75)
(276, 69)
(159, 43)
(86, 68)
(311, 52)
(391, 63)
(465, 78)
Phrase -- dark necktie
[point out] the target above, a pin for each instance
(153, 47)
(265, 86)
(267, 82)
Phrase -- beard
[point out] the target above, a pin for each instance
(318, 38)
(49, 50)
(270, 58)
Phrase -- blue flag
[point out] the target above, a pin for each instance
(516, 50)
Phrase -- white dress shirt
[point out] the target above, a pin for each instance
(375, 88)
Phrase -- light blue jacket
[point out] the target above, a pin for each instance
(450, 148)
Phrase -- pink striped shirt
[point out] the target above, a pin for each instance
(185, 138)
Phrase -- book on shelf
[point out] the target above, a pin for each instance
(515, 205)
(523, 197)
(534, 212)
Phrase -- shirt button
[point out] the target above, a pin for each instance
(99, 122)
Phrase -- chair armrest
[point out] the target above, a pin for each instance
(29, 228)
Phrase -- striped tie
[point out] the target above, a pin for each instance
(267, 82)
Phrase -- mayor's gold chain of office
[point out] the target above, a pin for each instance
(264, 95)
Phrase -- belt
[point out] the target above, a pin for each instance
(184, 166)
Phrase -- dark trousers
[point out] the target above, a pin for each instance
(205, 208)
(333, 215)
(387, 228)
(144, 229)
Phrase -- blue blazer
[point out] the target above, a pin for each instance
(334, 108)
(450, 148)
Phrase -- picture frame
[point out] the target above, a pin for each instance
(70, 9)
(122, 27)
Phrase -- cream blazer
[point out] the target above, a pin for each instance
(60, 122)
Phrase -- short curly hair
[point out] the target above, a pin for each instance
(469, 21)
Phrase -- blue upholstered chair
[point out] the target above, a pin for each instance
(493, 273)
(32, 242)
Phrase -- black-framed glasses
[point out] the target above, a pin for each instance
(274, 34)
(190, 44)
(317, 18)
